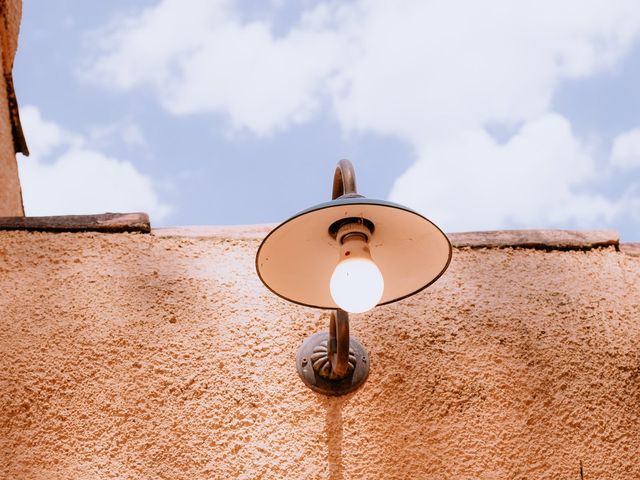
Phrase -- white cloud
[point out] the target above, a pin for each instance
(125, 131)
(472, 182)
(418, 69)
(433, 73)
(430, 69)
(65, 176)
(626, 150)
(213, 62)
(44, 137)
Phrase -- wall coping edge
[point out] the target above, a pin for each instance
(536, 238)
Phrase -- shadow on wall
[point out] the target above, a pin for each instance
(333, 430)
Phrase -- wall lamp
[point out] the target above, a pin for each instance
(348, 255)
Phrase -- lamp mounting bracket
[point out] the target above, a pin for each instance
(333, 363)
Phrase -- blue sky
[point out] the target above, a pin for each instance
(481, 115)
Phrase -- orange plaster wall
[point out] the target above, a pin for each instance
(10, 191)
(135, 356)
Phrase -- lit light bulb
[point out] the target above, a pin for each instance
(357, 284)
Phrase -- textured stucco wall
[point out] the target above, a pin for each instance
(10, 191)
(132, 356)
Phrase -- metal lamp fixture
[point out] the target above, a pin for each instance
(348, 255)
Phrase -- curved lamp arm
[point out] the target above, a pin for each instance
(338, 346)
(344, 180)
